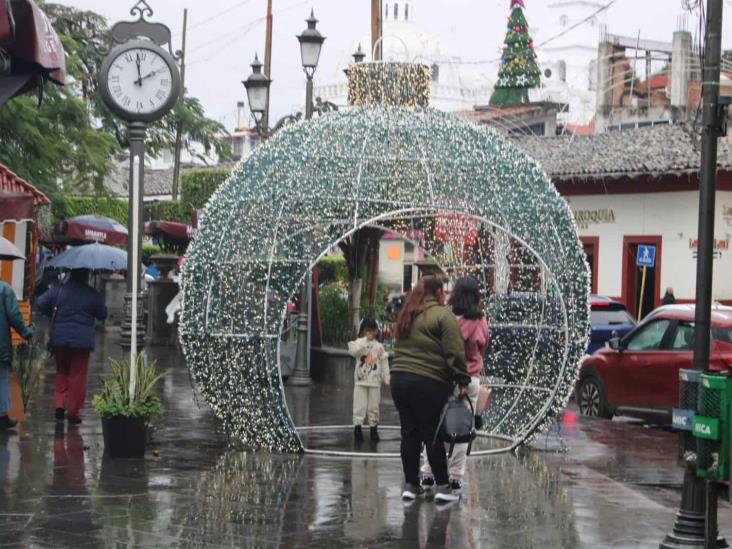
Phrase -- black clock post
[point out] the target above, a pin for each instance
(139, 81)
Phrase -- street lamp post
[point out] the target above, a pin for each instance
(311, 41)
(257, 86)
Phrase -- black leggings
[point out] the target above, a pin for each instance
(419, 401)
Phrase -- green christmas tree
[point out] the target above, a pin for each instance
(519, 71)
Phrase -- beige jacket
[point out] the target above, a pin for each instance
(372, 362)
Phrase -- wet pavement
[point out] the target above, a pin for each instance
(616, 486)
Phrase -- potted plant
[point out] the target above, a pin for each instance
(127, 405)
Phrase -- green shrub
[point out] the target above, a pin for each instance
(114, 400)
(85, 205)
(333, 269)
(149, 250)
(197, 186)
(334, 316)
(166, 210)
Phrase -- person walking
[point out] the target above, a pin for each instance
(668, 298)
(429, 357)
(9, 317)
(74, 307)
(372, 369)
(465, 303)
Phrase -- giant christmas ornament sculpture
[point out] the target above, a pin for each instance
(413, 171)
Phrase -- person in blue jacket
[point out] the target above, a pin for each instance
(9, 317)
(77, 307)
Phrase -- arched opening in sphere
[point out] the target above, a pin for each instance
(451, 187)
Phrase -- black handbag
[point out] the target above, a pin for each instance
(53, 320)
(457, 423)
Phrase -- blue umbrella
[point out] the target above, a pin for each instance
(97, 257)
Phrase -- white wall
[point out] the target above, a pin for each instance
(391, 271)
(671, 215)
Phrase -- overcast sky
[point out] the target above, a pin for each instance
(224, 34)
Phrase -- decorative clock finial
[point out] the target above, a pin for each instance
(142, 9)
(515, 3)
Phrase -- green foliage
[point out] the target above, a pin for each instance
(332, 269)
(113, 208)
(149, 250)
(28, 363)
(197, 186)
(114, 400)
(378, 311)
(166, 210)
(334, 315)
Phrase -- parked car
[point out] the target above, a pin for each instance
(607, 316)
(638, 375)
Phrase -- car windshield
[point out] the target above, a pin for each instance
(610, 316)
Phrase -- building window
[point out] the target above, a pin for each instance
(396, 12)
(406, 12)
(563, 20)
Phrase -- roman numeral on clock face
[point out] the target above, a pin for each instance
(160, 95)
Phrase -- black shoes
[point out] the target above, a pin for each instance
(7, 423)
(375, 434)
(74, 420)
(60, 414)
(357, 433)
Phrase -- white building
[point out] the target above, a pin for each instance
(640, 187)
(568, 62)
(454, 87)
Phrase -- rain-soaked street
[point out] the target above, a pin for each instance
(616, 486)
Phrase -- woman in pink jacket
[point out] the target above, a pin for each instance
(465, 303)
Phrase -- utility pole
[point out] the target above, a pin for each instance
(376, 29)
(267, 59)
(179, 125)
(690, 526)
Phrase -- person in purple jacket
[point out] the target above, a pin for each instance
(77, 307)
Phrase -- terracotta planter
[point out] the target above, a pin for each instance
(124, 437)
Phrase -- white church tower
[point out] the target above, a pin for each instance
(403, 39)
(569, 62)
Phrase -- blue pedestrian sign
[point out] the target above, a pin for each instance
(646, 256)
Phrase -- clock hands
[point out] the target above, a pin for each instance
(148, 75)
(139, 77)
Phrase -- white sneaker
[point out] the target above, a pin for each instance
(411, 492)
(444, 494)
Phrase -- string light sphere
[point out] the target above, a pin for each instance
(467, 196)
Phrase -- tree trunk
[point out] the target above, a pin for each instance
(354, 303)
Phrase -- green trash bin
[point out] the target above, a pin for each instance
(711, 426)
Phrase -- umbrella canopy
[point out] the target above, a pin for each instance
(94, 228)
(9, 251)
(96, 257)
(34, 48)
(170, 230)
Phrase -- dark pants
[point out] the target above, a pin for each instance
(419, 401)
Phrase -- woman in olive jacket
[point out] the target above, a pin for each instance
(429, 358)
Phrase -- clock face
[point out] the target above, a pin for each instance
(139, 81)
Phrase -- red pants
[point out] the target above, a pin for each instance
(72, 366)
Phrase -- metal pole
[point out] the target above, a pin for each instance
(179, 125)
(689, 527)
(267, 59)
(136, 136)
(300, 376)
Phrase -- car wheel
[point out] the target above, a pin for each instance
(591, 398)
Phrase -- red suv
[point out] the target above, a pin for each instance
(638, 375)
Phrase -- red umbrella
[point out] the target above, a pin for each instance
(31, 51)
(94, 228)
(170, 230)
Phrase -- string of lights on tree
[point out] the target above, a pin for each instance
(389, 84)
(519, 71)
(473, 201)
